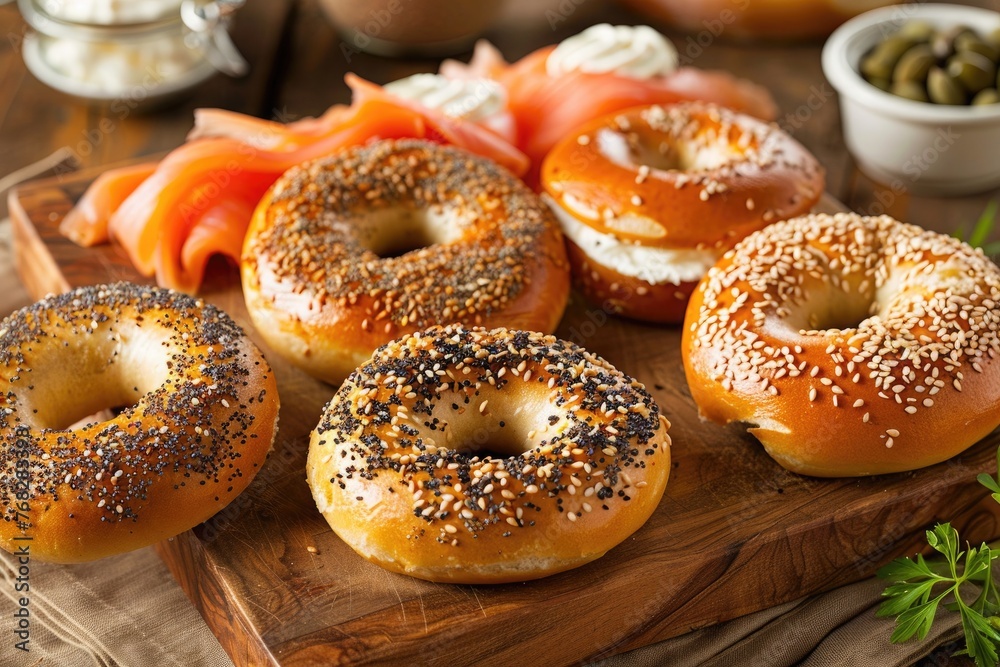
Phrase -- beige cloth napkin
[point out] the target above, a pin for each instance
(128, 611)
(125, 610)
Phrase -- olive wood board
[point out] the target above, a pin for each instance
(735, 533)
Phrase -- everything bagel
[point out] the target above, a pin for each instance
(202, 417)
(323, 276)
(579, 456)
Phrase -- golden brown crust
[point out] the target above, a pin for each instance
(397, 468)
(320, 295)
(203, 418)
(722, 175)
(854, 346)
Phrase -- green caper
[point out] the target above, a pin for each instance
(914, 64)
(943, 43)
(944, 89)
(986, 96)
(973, 43)
(911, 90)
(956, 31)
(881, 84)
(941, 46)
(883, 58)
(953, 66)
(917, 31)
(973, 70)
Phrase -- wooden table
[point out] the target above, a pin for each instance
(298, 68)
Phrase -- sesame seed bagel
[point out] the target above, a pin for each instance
(852, 345)
(650, 198)
(576, 456)
(320, 279)
(203, 414)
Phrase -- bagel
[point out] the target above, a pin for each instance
(852, 345)
(577, 456)
(320, 273)
(650, 198)
(203, 415)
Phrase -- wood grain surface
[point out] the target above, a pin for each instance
(735, 532)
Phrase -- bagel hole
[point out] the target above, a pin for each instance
(103, 404)
(836, 310)
(630, 151)
(634, 149)
(840, 320)
(98, 380)
(491, 440)
(506, 427)
(397, 231)
(97, 417)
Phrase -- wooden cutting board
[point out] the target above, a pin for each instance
(735, 533)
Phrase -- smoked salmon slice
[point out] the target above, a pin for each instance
(87, 223)
(171, 217)
(547, 108)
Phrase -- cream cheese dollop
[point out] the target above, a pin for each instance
(657, 266)
(639, 52)
(472, 100)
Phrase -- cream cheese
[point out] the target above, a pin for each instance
(472, 100)
(656, 266)
(638, 52)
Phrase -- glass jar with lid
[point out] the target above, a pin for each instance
(141, 50)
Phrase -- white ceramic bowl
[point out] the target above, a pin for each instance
(916, 146)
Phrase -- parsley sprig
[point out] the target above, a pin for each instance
(963, 582)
